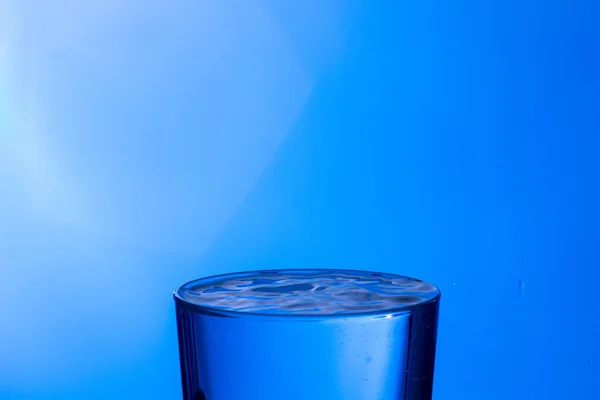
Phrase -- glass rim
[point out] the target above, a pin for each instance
(206, 309)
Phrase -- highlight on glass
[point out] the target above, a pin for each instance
(318, 334)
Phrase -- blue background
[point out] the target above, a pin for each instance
(143, 144)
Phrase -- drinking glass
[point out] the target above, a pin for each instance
(310, 334)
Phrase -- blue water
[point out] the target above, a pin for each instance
(307, 334)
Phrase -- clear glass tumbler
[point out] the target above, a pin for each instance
(310, 334)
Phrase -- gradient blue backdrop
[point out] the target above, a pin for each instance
(143, 144)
